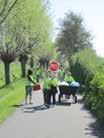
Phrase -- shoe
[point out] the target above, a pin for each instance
(25, 103)
(30, 103)
(48, 106)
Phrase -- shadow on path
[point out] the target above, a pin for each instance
(43, 107)
(36, 108)
(29, 108)
(32, 109)
(95, 128)
(63, 103)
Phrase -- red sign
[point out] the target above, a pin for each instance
(53, 65)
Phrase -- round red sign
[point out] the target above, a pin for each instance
(53, 65)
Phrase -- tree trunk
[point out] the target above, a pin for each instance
(23, 68)
(47, 64)
(23, 59)
(31, 62)
(7, 73)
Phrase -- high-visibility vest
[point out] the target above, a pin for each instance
(46, 84)
(54, 82)
(29, 82)
(61, 73)
(69, 79)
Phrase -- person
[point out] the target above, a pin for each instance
(68, 78)
(38, 73)
(46, 90)
(61, 73)
(75, 84)
(53, 83)
(29, 84)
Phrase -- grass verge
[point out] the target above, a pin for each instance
(14, 94)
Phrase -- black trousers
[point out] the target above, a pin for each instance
(46, 96)
(53, 92)
(50, 95)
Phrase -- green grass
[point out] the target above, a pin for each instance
(15, 72)
(4, 93)
(11, 95)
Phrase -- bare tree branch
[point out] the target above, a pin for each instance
(8, 11)
(3, 9)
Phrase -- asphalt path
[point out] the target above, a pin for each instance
(60, 121)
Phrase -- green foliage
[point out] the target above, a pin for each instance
(98, 80)
(27, 20)
(95, 101)
(83, 65)
(6, 7)
(95, 97)
(15, 72)
(88, 69)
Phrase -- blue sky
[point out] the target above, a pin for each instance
(92, 12)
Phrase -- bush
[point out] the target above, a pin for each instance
(94, 98)
(89, 69)
(83, 65)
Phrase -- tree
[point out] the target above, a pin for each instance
(6, 7)
(25, 20)
(32, 44)
(83, 65)
(37, 29)
(7, 55)
(72, 36)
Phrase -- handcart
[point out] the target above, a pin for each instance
(67, 91)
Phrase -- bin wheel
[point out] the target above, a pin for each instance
(76, 99)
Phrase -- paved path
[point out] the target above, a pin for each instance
(60, 121)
